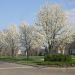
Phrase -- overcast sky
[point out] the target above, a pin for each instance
(17, 11)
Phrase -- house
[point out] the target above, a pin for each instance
(71, 48)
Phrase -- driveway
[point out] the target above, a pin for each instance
(16, 69)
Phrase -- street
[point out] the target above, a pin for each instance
(16, 69)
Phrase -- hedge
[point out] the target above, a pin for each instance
(57, 57)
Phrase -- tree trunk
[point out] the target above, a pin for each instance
(12, 52)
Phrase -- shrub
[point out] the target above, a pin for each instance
(57, 57)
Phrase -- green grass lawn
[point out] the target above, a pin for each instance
(23, 59)
(35, 60)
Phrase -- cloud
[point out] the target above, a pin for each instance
(71, 15)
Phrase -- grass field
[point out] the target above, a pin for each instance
(23, 59)
(36, 60)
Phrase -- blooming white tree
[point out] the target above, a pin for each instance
(37, 37)
(30, 38)
(11, 39)
(3, 43)
(25, 37)
(52, 20)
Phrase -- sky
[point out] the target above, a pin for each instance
(18, 11)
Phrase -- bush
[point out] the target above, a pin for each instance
(57, 57)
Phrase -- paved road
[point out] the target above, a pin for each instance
(16, 69)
